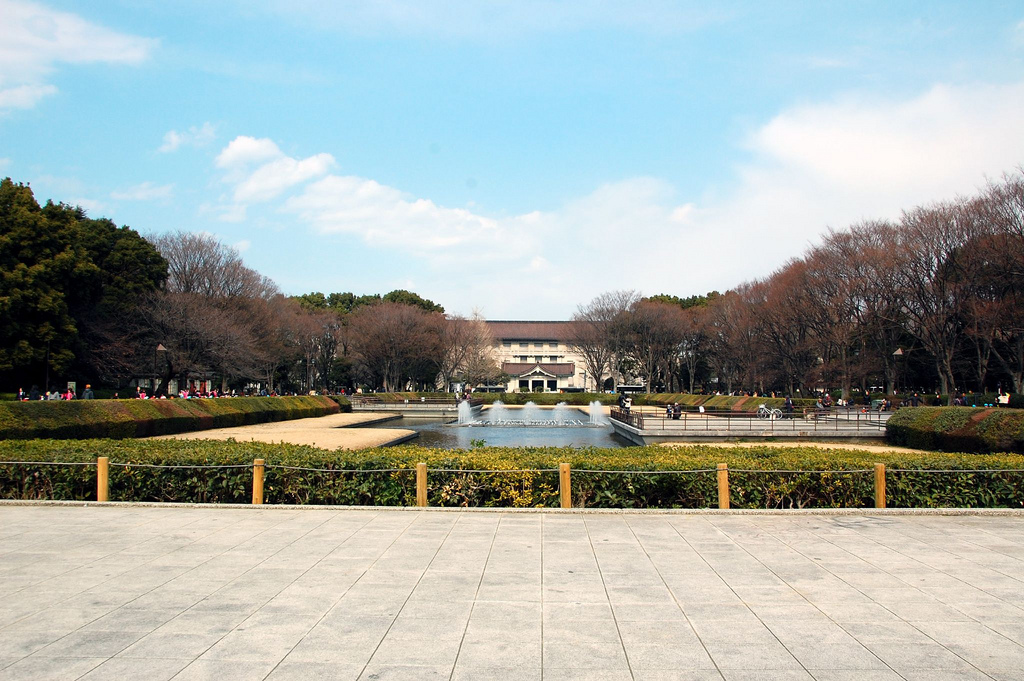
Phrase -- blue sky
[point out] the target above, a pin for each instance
(516, 158)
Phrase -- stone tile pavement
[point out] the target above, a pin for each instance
(123, 592)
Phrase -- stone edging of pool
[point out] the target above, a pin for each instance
(881, 512)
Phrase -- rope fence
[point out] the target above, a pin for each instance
(175, 466)
(564, 470)
(338, 470)
(47, 463)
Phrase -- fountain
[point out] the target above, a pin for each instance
(465, 413)
(530, 416)
(497, 413)
(530, 412)
(597, 417)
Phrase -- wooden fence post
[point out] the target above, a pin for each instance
(421, 484)
(879, 485)
(565, 484)
(102, 478)
(723, 485)
(257, 481)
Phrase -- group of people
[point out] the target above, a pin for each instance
(625, 402)
(673, 411)
(34, 394)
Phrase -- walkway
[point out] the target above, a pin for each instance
(337, 431)
(236, 593)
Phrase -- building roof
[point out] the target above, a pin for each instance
(539, 331)
(523, 368)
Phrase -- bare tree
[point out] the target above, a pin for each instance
(651, 338)
(466, 351)
(930, 265)
(593, 331)
(1003, 253)
(693, 341)
(393, 343)
(214, 315)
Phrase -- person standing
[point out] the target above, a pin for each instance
(87, 394)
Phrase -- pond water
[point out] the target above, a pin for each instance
(443, 434)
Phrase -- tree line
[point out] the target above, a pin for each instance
(85, 300)
(934, 300)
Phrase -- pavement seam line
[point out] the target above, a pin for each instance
(795, 590)
(398, 614)
(679, 605)
(338, 599)
(476, 594)
(607, 595)
(881, 605)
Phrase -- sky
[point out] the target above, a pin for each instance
(510, 157)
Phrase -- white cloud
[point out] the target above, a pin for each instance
(195, 136)
(386, 217)
(92, 207)
(244, 151)
(24, 96)
(5, 163)
(809, 167)
(242, 246)
(258, 171)
(274, 177)
(34, 39)
(147, 191)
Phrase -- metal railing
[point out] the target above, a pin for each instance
(412, 403)
(827, 420)
(631, 418)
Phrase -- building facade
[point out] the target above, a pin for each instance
(537, 357)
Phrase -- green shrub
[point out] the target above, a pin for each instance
(117, 419)
(308, 475)
(342, 401)
(547, 399)
(964, 429)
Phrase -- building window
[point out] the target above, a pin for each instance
(524, 345)
(538, 360)
(552, 359)
(524, 358)
(508, 344)
(554, 346)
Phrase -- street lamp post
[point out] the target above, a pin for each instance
(156, 353)
(897, 355)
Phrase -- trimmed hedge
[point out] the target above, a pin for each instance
(961, 429)
(342, 401)
(721, 402)
(82, 419)
(830, 478)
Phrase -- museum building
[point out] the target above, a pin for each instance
(537, 357)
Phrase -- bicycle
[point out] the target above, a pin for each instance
(764, 412)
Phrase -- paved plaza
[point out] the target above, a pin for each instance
(134, 592)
